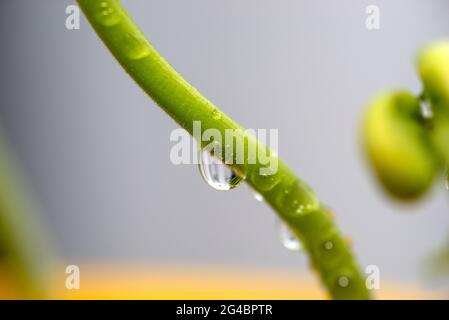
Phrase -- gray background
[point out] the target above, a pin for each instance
(96, 149)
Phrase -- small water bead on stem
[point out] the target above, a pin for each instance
(216, 114)
(328, 250)
(107, 15)
(134, 46)
(216, 174)
(265, 180)
(297, 199)
(343, 281)
(328, 245)
(287, 237)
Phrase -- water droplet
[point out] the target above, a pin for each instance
(287, 237)
(258, 197)
(298, 199)
(218, 175)
(426, 109)
(343, 281)
(216, 114)
(135, 46)
(327, 250)
(328, 245)
(107, 15)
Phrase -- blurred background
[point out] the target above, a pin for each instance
(95, 149)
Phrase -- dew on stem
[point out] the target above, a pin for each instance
(107, 15)
(328, 250)
(216, 114)
(216, 174)
(266, 181)
(297, 199)
(134, 46)
(343, 281)
(294, 201)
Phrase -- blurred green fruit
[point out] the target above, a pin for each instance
(439, 133)
(433, 67)
(398, 145)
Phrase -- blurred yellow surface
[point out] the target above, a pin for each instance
(200, 282)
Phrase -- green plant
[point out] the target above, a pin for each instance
(291, 198)
(24, 248)
(406, 137)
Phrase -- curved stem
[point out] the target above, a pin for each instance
(294, 201)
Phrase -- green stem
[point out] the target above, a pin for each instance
(294, 201)
(24, 247)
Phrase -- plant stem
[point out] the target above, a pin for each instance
(293, 200)
(24, 247)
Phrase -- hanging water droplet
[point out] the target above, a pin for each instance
(218, 175)
(258, 197)
(287, 237)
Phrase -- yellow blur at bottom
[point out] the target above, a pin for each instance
(190, 282)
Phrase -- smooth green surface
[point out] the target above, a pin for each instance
(293, 200)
